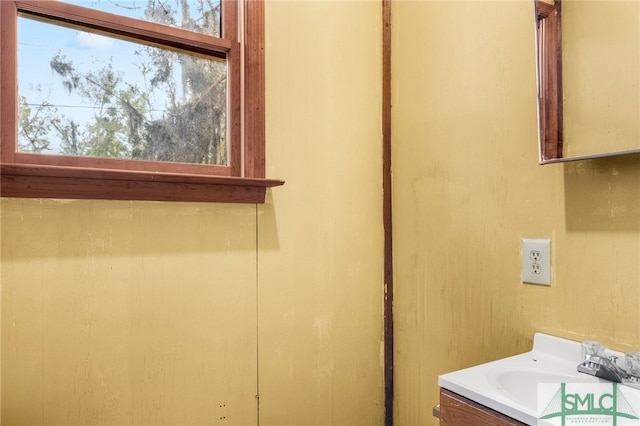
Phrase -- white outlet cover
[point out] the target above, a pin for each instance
(536, 271)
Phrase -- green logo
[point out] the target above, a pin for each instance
(594, 407)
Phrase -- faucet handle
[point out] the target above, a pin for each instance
(632, 360)
(591, 348)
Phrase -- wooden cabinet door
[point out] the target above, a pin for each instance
(456, 410)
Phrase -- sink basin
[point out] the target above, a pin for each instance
(510, 385)
(521, 384)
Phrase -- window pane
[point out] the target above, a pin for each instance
(201, 16)
(84, 94)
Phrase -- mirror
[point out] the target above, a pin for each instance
(588, 58)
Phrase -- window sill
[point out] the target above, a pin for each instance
(37, 181)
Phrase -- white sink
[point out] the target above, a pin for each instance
(510, 385)
(521, 385)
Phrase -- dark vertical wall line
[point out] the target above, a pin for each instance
(386, 212)
(257, 327)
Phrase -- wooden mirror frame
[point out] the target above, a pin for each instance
(549, 72)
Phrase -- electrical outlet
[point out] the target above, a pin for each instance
(536, 261)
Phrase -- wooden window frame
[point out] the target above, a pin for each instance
(29, 175)
(549, 51)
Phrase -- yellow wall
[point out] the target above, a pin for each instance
(467, 189)
(175, 313)
(321, 241)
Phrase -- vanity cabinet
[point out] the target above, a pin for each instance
(456, 410)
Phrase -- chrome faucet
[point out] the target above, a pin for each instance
(606, 367)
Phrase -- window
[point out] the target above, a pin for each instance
(122, 99)
(549, 45)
